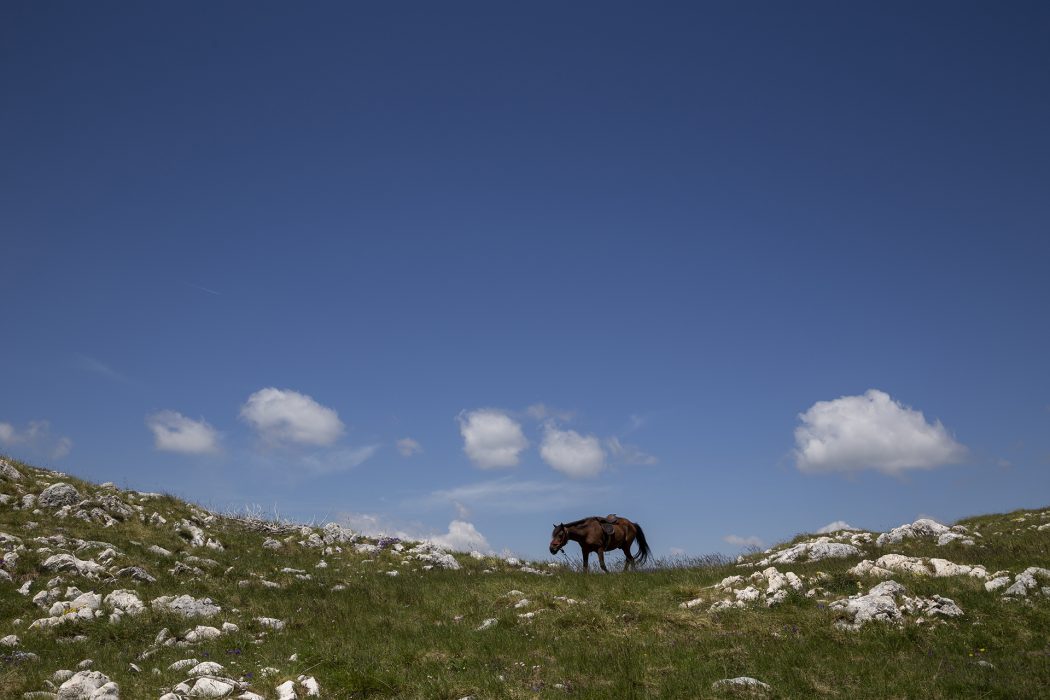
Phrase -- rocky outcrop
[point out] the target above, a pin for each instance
(887, 602)
(924, 528)
(888, 564)
(809, 551)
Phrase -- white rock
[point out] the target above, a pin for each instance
(313, 688)
(187, 606)
(212, 688)
(487, 624)
(68, 562)
(286, 691)
(923, 528)
(58, 495)
(741, 682)
(126, 601)
(201, 633)
(206, 668)
(996, 583)
(184, 663)
(271, 622)
(7, 471)
(811, 550)
(86, 685)
(10, 640)
(748, 595)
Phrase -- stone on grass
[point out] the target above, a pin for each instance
(924, 528)
(811, 550)
(184, 663)
(68, 562)
(206, 668)
(58, 495)
(201, 633)
(487, 624)
(212, 688)
(271, 622)
(7, 471)
(187, 606)
(88, 685)
(746, 682)
(286, 691)
(313, 688)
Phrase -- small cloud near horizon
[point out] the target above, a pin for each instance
(835, 527)
(738, 541)
(37, 438)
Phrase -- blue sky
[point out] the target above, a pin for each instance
(703, 265)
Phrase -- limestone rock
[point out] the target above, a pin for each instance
(924, 528)
(187, 606)
(88, 685)
(7, 471)
(811, 550)
(58, 495)
(740, 682)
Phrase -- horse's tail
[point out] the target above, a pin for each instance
(643, 546)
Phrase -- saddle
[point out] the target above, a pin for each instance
(607, 524)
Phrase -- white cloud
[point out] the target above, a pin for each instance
(835, 527)
(462, 537)
(408, 447)
(738, 541)
(91, 364)
(509, 496)
(571, 453)
(541, 411)
(628, 454)
(677, 552)
(871, 431)
(37, 438)
(491, 438)
(283, 415)
(174, 432)
(338, 460)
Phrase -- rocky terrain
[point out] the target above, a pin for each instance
(107, 593)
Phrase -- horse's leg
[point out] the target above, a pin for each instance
(629, 561)
(601, 559)
(586, 556)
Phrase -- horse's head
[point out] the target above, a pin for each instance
(559, 538)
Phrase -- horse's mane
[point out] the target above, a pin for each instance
(580, 521)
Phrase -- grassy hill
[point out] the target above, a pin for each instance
(291, 609)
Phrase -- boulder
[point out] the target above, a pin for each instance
(7, 471)
(58, 495)
(88, 685)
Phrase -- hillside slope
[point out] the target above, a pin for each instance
(109, 594)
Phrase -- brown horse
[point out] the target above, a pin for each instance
(601, 535)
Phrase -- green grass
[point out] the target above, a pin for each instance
(414, 635)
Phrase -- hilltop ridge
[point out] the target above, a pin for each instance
(107, 593)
